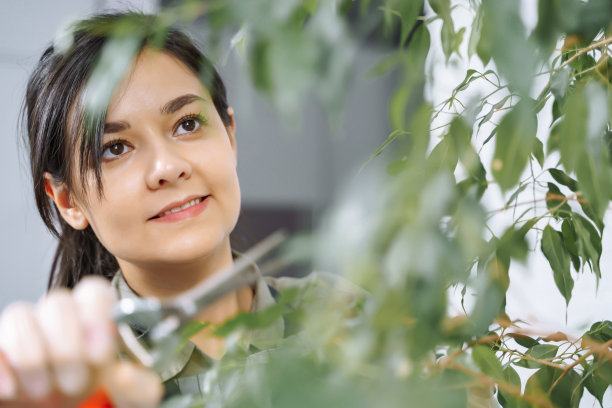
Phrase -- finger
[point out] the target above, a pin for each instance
(95, 300)
(8, 384)
(59, 322)
(132, 386)
(22, 344)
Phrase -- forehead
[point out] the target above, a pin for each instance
(155, 78)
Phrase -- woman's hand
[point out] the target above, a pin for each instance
(56, 353)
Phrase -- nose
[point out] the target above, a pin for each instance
(167, 166)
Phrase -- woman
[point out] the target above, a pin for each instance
(145, 193)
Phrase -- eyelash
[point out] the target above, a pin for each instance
(190, 116)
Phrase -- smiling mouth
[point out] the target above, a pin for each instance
(180, 208)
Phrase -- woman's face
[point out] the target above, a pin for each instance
(171, 193)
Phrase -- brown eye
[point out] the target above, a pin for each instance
(189, 125)
(114, 149)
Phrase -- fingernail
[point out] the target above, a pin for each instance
(35, 382)
(72, 377)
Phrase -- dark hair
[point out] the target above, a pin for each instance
(58, 125)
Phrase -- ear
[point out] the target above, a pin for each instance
(70, 211)
(231, 129)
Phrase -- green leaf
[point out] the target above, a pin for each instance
(394, 135)
(538, 151)
(503, 37)
(555, 252)
(524, 340)
(595, 384)
(559, 83)
(488, 362)
(475, 34)
(443, 156)
(589, 242)
(562, 178)
(516, 193)
(189, 330)
(572, 131)
(508, 400)
(494, 108)
(556, 202)
(259, 319)
(570, 240)
(600, 331)
(514, 143)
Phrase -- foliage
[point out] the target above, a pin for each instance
(425, 224)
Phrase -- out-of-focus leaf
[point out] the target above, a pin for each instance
(503, 37)
(514, 142)
(548, 29)
(567, 393)
(572, 131)
(488, 362)
(555, 252)
(559, 83)
(506, 399)
(259, 319)
(443, 156)
(475, 35)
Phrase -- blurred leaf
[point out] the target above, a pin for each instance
(559, 82)
(508, 400)
(555, 252)
(503, 37)
(540, 352)
(572, 131)
(514, 142)
(488, 362)
(475, 35)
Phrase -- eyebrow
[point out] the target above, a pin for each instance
(178, 102)
(171, 107)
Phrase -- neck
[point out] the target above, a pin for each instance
(165, 281)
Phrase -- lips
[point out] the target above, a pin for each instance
(178, 207)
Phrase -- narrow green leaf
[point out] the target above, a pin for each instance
(572, 131)
(494, 108)
(555, 252)
(570, 240)
(514, 143)
(538, 151)
(562, 178)
(516, 194)
(475, 34)
(589, 243)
